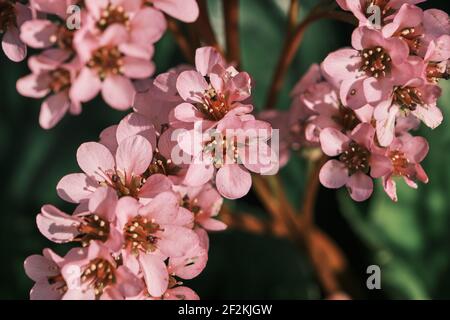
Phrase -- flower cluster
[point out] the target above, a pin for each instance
(147, 195)
(86, 48)
(362, 103)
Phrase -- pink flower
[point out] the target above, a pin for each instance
(144, 25)
(13, 15)
(45, 270)
(51, 79)
(152, 233)
(356, 161)
(126, 172)
(205, 202)
(95, 274)
(96, 223)
(212, 92)
(54, 35)
(411, 95)
(368, 71)
(365, 10)
(318, 105)
(228, 152)
(110, 63)
(184, 10)
(406, 153)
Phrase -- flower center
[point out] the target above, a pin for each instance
(161, 165)
(111, 15)
(408, 98)
(60, 80)
(214, 105)
(191, 205)
(124, 187)
(7, 15)
(376, 62)
(63, 38)
(347, 118)
(222, 151)
(140, 234)
(412, 37)
(99, 274)
(355, 158)
(399, 162)
(106, 61)
(92, 228)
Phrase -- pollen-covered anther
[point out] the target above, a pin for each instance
(140, 234)
(376, 62)
(99, 274)
(60, 80)
(112, 14)
(399, 163)
(92, 228)
(408, 98)
(214, 105)
(356, 158)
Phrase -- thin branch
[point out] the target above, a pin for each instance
(204, 27)
(182, 41)
(231, 13)
(291, 47)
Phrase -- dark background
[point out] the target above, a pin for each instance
(409, 240)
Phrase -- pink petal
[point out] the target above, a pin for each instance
(380, 166)
(191, 264)
(13, 47)
(95, 159)
(360, 186)
(33, 86)
(198, 174)
(57, 226)
(233, 182)
(148, 26)
(37, 33)
(126, 209)
(86, 86)
(341, 64)
(333, 141)
(163, 208)
(118, 92)
(137, 68)
(333, 174)
(155, 274)
(181, 293)
(103, 203)
(53, 109)
(176, 241)
(186, 10)
(136, 124)
(186, 112)
(134, 156)
(38, 268)
(206, 58)
(191, 85)
(155, 184)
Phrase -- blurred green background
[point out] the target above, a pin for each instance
(409, 240)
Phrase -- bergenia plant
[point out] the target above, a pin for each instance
(151, 187)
